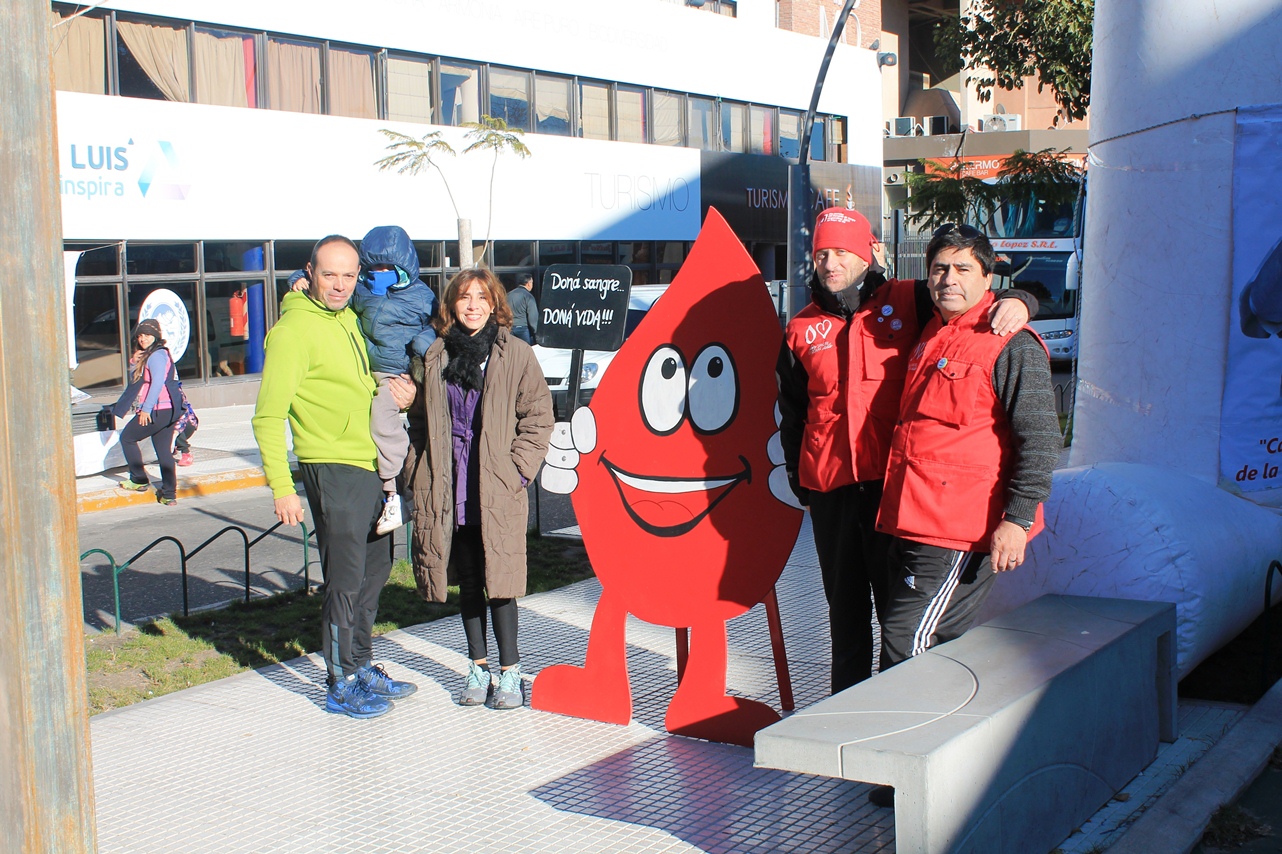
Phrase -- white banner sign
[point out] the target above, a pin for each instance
(1251, 414)
(137, 169)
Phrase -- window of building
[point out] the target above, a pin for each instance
(734, 120)
(79, 53)
(225, 68)
(234, 310)
(148, 259)
(460, 93)
(293, 75)
(199, 341)
(232, 257)
(552, 99)
(836, 138)
(510, 97)
(701, 124)
(95, 317)
(429, 254)
(512, 253)
(96, 259)
(291, 255)
(409, 89)
(598, 252)
(818, 136)
(790, 133)
(557, 252)
(763, 130)
(630, 114)
(594, 110)
(152, 61)
(349, 82)
(667, 119)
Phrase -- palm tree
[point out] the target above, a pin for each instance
(494, 134)
(410, 156)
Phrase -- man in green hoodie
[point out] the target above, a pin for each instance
(317, 376)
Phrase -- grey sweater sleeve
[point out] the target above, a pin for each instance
(1022, 380)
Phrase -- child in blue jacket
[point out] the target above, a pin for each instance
(394, 309)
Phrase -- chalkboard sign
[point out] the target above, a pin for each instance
(584, 306)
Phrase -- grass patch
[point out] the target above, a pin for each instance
(178, 652)
(1232, 827)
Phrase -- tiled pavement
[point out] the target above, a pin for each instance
(252, 763)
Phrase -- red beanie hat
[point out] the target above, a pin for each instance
(838, 228)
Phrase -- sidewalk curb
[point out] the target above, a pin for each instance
(1179, 818)
(188, 487)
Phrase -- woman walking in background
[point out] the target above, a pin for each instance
(153, 384)
(478, 433)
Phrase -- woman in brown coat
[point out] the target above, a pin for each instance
(478, 433)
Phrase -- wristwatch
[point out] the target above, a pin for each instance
(1016, 520)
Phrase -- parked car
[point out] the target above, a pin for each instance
(556, 363)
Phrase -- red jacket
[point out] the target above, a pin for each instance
(952, 451)
(855, 374)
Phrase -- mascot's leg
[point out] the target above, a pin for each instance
(701, 707)
(598, 690)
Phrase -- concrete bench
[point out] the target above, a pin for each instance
(1007, 738)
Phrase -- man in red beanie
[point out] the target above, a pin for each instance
(841, 375)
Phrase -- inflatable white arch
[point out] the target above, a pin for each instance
(1178, 393)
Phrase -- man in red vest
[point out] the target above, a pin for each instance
(841, 376)
(971, 458)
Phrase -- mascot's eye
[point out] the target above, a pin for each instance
(663, 390)
(714, 390)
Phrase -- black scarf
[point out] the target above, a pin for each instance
(467, 353)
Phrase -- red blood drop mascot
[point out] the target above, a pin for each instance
(674, 482)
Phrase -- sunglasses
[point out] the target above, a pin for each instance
(966, 231)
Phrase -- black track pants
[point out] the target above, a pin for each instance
(935, 596)
(356, 562)
(467, 557)
(161, 432)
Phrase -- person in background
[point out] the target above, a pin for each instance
(478, 436)
(152, 388)
(184, 428)
(525, 310)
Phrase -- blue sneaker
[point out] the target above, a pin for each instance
(375, 680)
(350, 697)
(509, 694)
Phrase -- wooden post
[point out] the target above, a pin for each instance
(46, 789)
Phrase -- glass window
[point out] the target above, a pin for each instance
(429, 253)
(513, 253)
(630, 112)
(143, 259)
(293, 75)
(729, 8)
(409, 89)
(79, 53)
(225, 67)
(556, 252)
(702, 130)
(634, 253)
(667, 119)
(818, 147)
(350, 83)
(762, 130)
(598, 252)
(232, 257)
(96, 259)
(789, 133)
(189, 361)
(291, 255)
(510, 97)
(152, 61)
(96, 318)
(594, 110)
(552, 105)
(460, 93)
(234, 316)
(452, 257)
(670, 252)
(733, 121)
(836, 137)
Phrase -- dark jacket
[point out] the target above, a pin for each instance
(516, 424)
(396, 325)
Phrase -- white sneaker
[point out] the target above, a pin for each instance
(391, 518)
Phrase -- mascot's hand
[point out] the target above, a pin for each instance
(569, 440)
(779, 487)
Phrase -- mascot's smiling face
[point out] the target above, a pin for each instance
(674, 500)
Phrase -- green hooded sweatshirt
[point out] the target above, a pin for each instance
(316, 374)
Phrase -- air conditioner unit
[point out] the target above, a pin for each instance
(999, 122)
(902, 126)
(935, 125)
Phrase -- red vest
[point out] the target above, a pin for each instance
(952, 452)
(855, 371)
